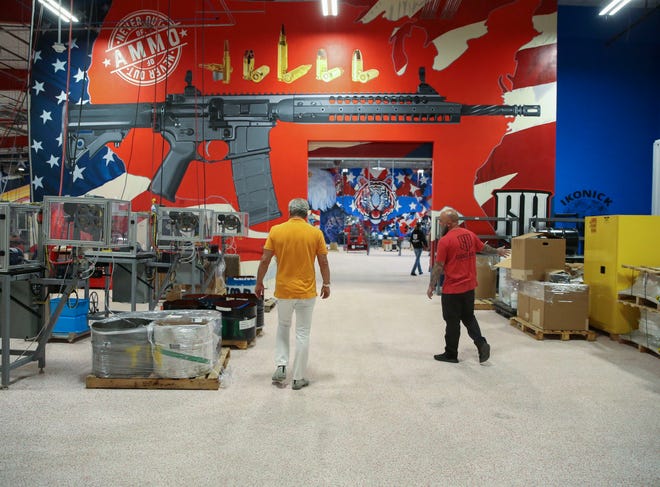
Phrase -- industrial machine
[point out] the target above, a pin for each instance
(183, 240)
(19, 261)
(185, 225)
(23, 289)
(231, 224)
(76, 236)
(19, 236)
(85, 221)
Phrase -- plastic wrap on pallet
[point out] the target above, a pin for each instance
(238, 315)
(508, 288)
(121, 347)
(649, 322)
(647, 286)
(186, 345)
(648, 332)
(122, 344)
(552, 292)
(646, 339)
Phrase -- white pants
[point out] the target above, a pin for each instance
(285, 309)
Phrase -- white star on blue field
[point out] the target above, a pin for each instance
(49, 97)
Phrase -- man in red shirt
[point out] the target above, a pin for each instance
(456, 258)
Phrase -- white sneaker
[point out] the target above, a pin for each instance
(280, 374)
(299, 384)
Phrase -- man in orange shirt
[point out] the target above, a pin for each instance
(456, 257)
(296, 245)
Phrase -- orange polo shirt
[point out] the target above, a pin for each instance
(295, 244)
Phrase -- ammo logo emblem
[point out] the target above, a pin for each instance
(144, 48)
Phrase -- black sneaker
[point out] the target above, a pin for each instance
(443, 357)
(413, 274)
(484, 352)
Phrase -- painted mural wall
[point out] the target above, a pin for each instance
(143, 108)
(384, 202)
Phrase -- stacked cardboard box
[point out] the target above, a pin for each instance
(486, 277)
(554, 306)
(533, 254)
(547, 305)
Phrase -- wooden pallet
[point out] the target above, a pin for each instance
(482, 304)
(541, 334)
(613, 336)
(624, 338)
(209, 381)
(639, 346)
(504, 309)
(240, 344)
(639, 302)
(69, 336)
(643, 268)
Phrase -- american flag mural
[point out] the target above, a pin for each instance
(58, 78)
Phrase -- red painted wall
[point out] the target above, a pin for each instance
(477, 150)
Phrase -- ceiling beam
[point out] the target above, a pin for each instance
(18, 141)
(13, 79)
(16, 12)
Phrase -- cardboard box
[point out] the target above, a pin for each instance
(533, 254)
(486, 277)
(554, 306)
(524, 310)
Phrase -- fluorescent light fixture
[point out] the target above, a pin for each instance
(329, 7)
(619, 7)
(58, 10)
(420, 172)
(613, 7)
(377, 167)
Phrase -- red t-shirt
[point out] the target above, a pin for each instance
(458, 251)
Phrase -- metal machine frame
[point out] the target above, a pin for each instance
(99, 218)
(188, 225)
(18, 222)
(230, 224)
(436, 225)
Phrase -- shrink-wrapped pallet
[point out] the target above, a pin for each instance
(648, 332)
(121, 347)
(186, 346)
(123, 344)
(647, 286)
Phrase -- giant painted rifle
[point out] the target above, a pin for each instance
(244, 123)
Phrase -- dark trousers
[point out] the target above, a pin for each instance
(417, 264)
(457, 308)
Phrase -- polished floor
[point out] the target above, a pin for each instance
(379, 410)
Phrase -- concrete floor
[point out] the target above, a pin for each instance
(379, 410)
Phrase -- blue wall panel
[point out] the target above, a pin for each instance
(608, 113)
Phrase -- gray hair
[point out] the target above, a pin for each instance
(450, 212)
(298, 207)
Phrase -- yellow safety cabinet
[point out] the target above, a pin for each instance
(610, 242)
